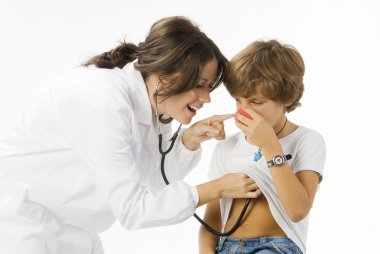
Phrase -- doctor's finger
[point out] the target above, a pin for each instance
(208, 130)
(256, 193)
(215, 135)
(221, 136)
(253, 194)
(219, 126)
(253, 186)
(219, 118)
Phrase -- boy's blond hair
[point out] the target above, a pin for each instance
(276, 68)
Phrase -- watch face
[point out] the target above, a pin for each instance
(278, 160)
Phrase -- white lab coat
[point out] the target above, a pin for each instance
(86, 153)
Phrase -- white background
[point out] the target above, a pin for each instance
(339, 41)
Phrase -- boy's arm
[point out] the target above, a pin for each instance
(208, 241)
(296, 191)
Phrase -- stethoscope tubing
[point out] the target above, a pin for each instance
(205, 225)
(163, 155)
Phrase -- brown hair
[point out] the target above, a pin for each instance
(276, 68)
(174, 48)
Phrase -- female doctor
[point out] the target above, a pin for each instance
(86, 152)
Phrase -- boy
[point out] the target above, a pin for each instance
(286, 160)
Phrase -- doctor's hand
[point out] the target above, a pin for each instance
(232, 185)
(203, 130)
(239, 185)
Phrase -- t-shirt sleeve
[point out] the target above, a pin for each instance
(311, 154)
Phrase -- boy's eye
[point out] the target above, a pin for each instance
(257, 102)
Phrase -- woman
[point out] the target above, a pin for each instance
(86, 151)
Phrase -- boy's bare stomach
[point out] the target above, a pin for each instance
(257, 222)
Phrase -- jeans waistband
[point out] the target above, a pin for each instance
(253, 241)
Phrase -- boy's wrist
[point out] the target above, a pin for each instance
(271, 150)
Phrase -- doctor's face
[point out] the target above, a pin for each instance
(183, 107)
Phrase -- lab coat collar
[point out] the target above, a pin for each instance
(140, 99)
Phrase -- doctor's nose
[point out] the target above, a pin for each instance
(205, 96)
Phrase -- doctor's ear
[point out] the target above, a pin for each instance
(162, 79)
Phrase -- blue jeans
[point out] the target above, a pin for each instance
(260, 245)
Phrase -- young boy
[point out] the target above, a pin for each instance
(286, 160)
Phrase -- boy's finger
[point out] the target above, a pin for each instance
(243, 120)
(241, 126)
(253, 113)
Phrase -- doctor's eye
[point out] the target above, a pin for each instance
(203, 86)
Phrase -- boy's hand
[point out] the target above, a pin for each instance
(256, 129)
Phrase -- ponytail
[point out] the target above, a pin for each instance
(117, 57)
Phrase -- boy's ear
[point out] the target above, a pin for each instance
(287, 103)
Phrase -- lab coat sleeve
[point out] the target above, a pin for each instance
(217, 168)
(101, 129)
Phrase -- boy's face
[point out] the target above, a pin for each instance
(272, 111)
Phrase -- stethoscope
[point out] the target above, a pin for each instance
(163, 155)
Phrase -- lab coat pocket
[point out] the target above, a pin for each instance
(13, 202)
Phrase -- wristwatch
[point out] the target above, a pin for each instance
(278, 160)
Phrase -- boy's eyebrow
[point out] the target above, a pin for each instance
(256, 98)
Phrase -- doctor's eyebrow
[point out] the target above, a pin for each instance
(210, 82)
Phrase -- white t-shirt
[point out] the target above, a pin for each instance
(235, 154)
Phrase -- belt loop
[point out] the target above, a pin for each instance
(220, 243)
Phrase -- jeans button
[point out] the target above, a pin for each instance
(242, 243)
